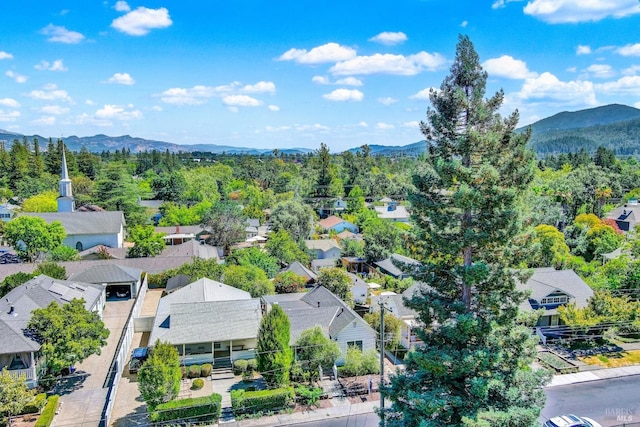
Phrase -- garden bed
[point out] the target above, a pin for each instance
(556, 363)
(614, 360)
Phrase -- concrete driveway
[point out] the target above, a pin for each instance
(82, 397)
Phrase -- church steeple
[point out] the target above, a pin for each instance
(65, 200)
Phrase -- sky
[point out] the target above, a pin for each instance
(284, 74)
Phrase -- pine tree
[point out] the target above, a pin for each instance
(474, 366)
(274, 354)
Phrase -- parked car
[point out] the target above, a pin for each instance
(571, 421)
(138, 357)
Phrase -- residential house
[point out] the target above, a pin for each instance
(297, 268)
(359, 289)
(7, 210)
(337, 206)
(251, 230)
(392, 211)
(177, 282)
(320, 307)
(626, 216)
(337, 224)
(118, 281)
(550, 289)
(19, 352)
(324, 248)
(208, 322)
(398, 266)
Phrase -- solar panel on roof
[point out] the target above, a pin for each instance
(58, 289)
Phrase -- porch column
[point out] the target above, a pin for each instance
(231, 351)
(33, 367)
(184, 356)
(213, 353)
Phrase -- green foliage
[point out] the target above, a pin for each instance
(36, 405)
(283, 247)
(13, 281)
(254, 257)
(14, 394)
(392, 328)
(252, 402)
(51, 269)
(358, 362)
(159, 377)
(206, 369)
(194, 371)
(337, 281)
(197, 384)
(274, 356)
(248, 278)
(147, 243)
(201, 409)
(239, 367)
(294, 217)
(289, 282)
(313, 349)
(115, 190)
(516, 417)
(49, 411)
(63, 253)
(381, 238)
(35, 235)
(174, 214)
(549, 248)
(44, 202)
(68, 333)
(225, 224)
(309, 395)
(352, 247)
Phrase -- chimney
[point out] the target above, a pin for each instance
(178, 229)
(11, 310)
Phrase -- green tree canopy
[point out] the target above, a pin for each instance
(294, 217)
(43, 202)
(147, 243)
(159, 376)
(381, 238)
(30, 235)
(289, 282)
(69, 333)
(274, 356)
(337, 281)
(283, 247)
(226, 225)
(14, 393)
(313, 350)
(248, 278)
(254, 256)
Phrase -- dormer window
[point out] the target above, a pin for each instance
(555, 299)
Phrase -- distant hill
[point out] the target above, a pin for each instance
(614, 126)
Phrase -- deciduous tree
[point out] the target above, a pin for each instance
(146, 242)
(337, 281)
(30, 235)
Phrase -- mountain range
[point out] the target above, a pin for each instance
(614, 126)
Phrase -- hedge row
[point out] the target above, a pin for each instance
(195, 371)
(251, 402)
(49, 411)
(206, 408)
(241, 366)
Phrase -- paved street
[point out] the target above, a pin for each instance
(602, 400)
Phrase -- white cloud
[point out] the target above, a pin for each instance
(637, 104)
(628, 85)
(387, 101)
(563, 11)
(507, 67)
(330, 52)
(45, 121)
(241, 101)
(50, 93)
(321, 80)
(349, 81)
(156, 108)
(363, 124)
(9, 116)
(19, 78)
(601, 71)
(423, 95)
(260, 87)
(583, 50)
(631, 71)
(384, 126)
(117, 112)
(344, 95)
(122, 6)
(142, 20)
(57, 65)
(55, 110)
(187, 96)
(498, 4)
(389, 64)
(273, 108)
(5, 55)
(547, 88)
(89, 102)
(412, 124)
(61, 34)
(464, 24)
(298, 127)
(121, 79)
(9, 102)
(629, 50)
(389, 38)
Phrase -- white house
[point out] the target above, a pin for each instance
(319, 307)
(324, 248)
(7, 211)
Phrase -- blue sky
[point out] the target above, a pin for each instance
(279, 74)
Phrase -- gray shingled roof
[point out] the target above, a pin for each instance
(38, 292)
(177, 282)
(108, 274)
(548, 280)
(191, 248)
(323, 245)
(299, 269)
(76, 223)
(390, 266)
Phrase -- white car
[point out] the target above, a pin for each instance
(571, 421)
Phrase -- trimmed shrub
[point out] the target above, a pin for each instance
(239, 367)
(197, 384)
(251, 402)
(194, 371)
(36, 405)
(252, 365)
(206, 369)
(309, 396)
(49, 411)
(202, 409)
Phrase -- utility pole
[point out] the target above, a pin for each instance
(381, 304)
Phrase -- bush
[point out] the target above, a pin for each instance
(240, 367)
(205, 409)
(48, 412)
(197, 384)
(251, 402)
(252, 365)
(36, 405)
(206, 369)
(308, 396)
(194, 371)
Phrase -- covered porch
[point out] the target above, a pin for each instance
(218, 353)
(408, 337)
(32, 365)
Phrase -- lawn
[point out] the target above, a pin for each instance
(614, 360)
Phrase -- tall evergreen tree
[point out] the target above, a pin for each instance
(274, 354)
(474, 366)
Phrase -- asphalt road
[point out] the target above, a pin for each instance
(609, 402)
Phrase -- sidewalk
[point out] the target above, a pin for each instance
(595, 375)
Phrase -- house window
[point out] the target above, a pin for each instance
(79, 247)
(355, 344)
(554, 300)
